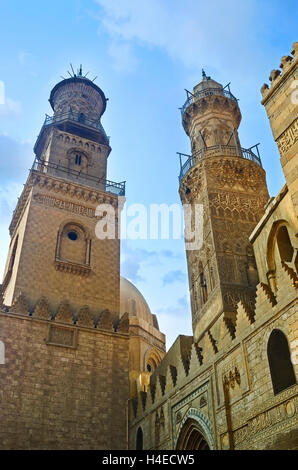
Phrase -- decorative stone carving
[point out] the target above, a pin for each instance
(192, 185)
(274, 75)
(74, 208)
(60, 336)
(72, 268)
(42, 310)
(295, 49)
(288, 138)
(85, 318)
(231, 379)
(64, 313)
(244, 317)
(264, 90)
(105, 321)
(20, 305)
(285, 62)
(123, 325)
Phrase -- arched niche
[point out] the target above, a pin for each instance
(192, 437)
(73, 244)
(195, 432)
(281, 247)
(78, 160)
(151, 360)
(280, 364)
(139, 439)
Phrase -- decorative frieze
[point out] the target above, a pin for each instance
(264, 422)
(59, 336)
(68, 206)
(288, 138)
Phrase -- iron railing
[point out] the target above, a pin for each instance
(59, 118)
(76, 176)
(193, 97)
(225, 150)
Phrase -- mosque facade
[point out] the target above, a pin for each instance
(85, 362)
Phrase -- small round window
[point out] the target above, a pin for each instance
(149, 368)
(72, 235)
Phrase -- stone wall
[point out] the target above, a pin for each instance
(63, 386)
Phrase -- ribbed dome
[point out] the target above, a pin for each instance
(132, 301)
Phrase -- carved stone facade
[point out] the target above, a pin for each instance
(223, 271)
(72, 355)
(235, 383)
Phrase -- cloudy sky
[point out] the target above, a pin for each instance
(145, 53)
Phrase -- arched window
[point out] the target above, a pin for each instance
(151, 361)
(78, 159)
(139, 441)
(281, 368)
(82, 117)
(202, 283)
(191, 437)
(284, 244)
(73, 244)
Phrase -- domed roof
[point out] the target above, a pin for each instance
(133, 302)
(205, 83)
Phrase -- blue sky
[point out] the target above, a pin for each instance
(144, 53)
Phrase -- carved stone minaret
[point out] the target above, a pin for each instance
(54, 253)
(230, 183)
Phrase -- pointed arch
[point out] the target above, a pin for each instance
(139, 439)
(280, 364)
(73, 243)
(194, 432)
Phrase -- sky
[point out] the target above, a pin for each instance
(145, 53)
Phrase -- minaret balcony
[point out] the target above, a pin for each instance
(194, 97)
(217, 150)
(74, 176)
(79, 119)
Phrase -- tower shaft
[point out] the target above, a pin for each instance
(54, 252)
(230, 184)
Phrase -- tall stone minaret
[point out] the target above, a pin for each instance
(54, 252)
(230, 183)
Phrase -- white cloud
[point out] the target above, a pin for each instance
(197, 33)
(10, 108)
(174, 276)
(123, 56)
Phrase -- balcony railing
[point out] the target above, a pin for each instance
(76, 176)
(59, 118)
(225, 150)
(193, 97)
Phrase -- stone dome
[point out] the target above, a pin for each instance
(133, 302)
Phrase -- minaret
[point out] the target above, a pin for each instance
(230, 183)
(54, 252)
